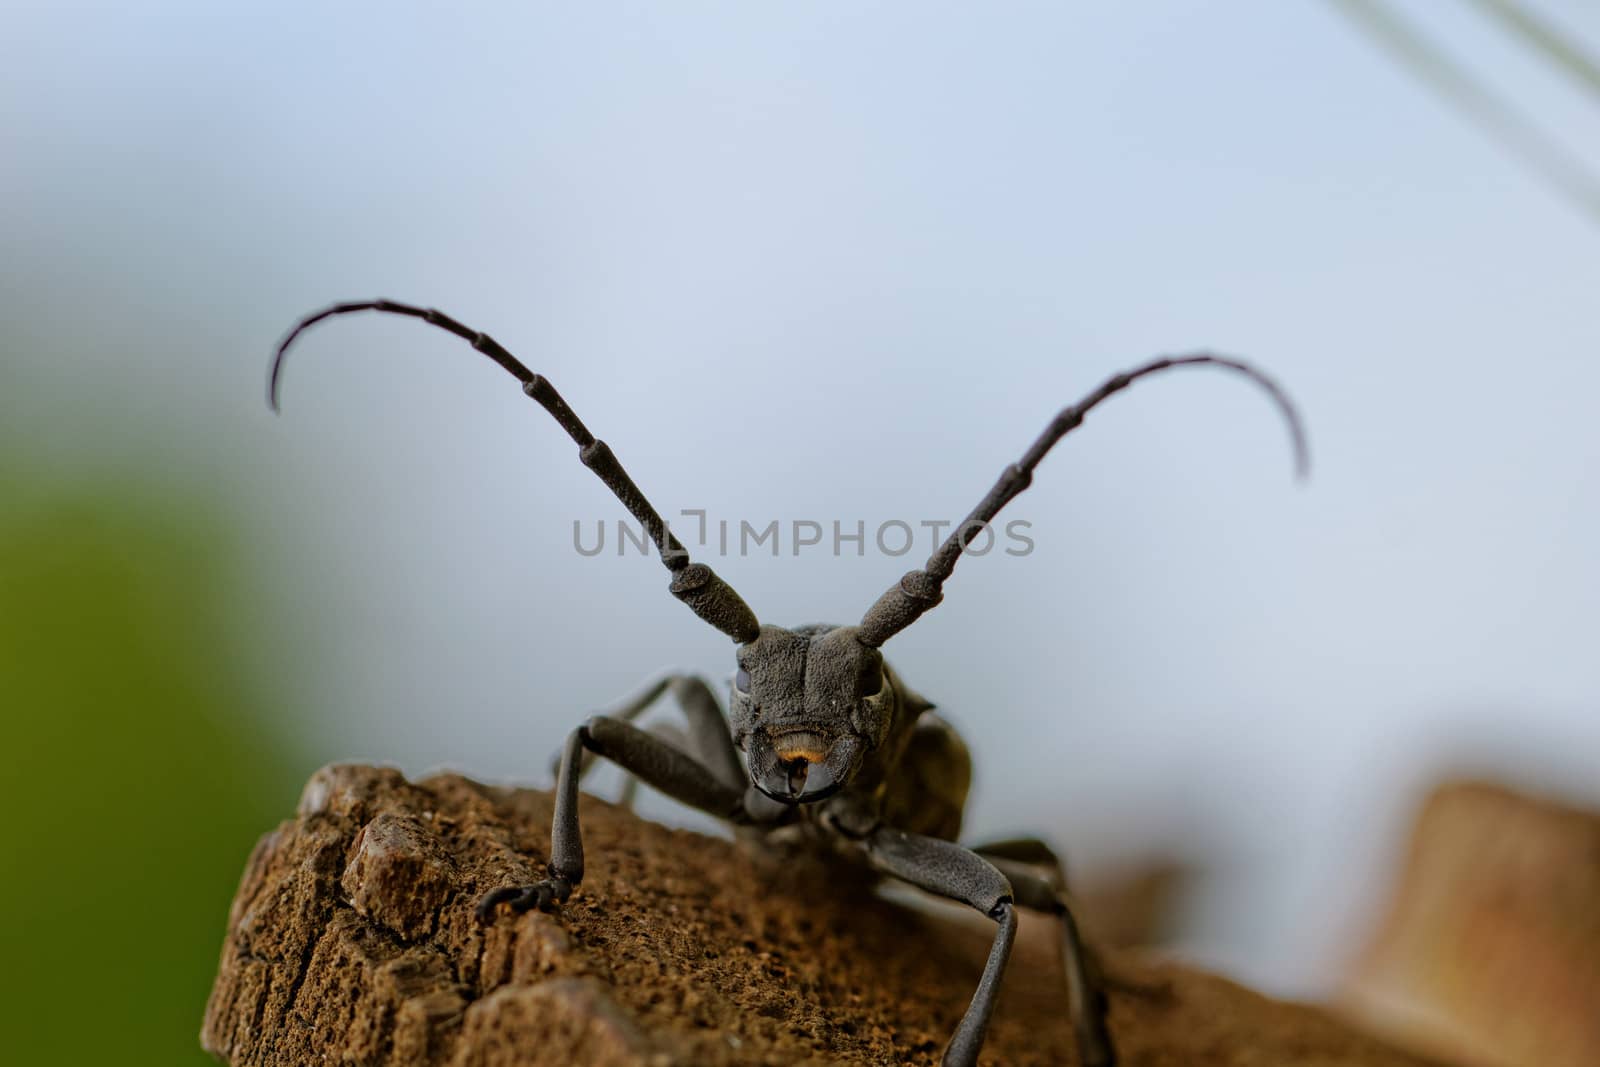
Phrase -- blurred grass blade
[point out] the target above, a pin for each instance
(1559, 168)
(1558, 46)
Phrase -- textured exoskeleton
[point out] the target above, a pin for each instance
(821, 735)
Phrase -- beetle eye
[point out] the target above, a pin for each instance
(741, 680)
(871, 681)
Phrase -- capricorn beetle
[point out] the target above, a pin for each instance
(822, 739)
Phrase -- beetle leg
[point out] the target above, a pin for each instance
(950, 870)
(708, 737)
(672, 734)
(1086, 998)
(655, 762)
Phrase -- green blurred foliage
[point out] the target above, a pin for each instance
(139, 771)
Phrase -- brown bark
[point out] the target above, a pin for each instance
(352, 940)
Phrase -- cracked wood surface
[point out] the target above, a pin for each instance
(352, 940)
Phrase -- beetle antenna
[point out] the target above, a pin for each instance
(919, 591)
(707, 595)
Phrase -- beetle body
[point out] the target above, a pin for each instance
(821, 738)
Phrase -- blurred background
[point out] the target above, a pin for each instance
(820, 262)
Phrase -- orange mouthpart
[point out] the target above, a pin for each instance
(800, 745)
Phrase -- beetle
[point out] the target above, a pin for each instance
(822, 739)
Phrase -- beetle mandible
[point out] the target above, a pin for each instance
(822, 735)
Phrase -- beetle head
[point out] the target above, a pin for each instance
(808, 705)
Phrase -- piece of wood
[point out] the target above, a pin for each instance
(352, 940)
(1490, 952)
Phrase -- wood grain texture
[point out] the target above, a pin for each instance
(352, 940)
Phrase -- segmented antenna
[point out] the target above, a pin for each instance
(696, 584)
(919, 591)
